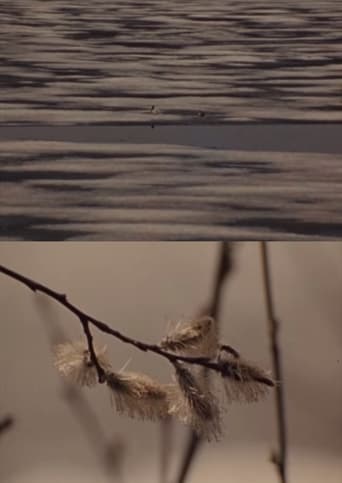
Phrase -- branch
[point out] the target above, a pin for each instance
(224, 269)
(88, 334)
(279, 458)
(86, 319)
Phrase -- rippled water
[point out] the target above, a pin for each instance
(109, 61)
(153, 62)
(87, 190)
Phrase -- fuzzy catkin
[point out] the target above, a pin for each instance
(73, 361)
(193, 405)
(137, 395)
(243, 381)
(197, 337)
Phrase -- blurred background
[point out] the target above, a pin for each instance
(139, 288)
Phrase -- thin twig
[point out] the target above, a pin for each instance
(88, 334)
(224, 268)
(216, 365)
(280, 457)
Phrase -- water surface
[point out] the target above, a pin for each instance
(153, 191)
(83, 83)
(162, 61)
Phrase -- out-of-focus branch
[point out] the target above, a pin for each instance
(223, 270)
(166, 427)
(6, 423)
(110, 452)
(279, 458)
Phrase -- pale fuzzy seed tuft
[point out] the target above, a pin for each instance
(137, 395)
(72, 360)
(193, 405)
(196, 337)
(243, 381)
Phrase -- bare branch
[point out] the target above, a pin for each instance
(86, 319)
(280, 457)
(100, 371)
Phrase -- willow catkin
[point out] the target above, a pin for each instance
(194, 337)
(73, 361)
(243, 381)
(137, 395)
(193, 405)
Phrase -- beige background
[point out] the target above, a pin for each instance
(139, 288)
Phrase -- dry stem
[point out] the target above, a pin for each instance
(280, 458)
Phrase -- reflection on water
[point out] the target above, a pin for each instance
(110, 61)
(73, 190)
